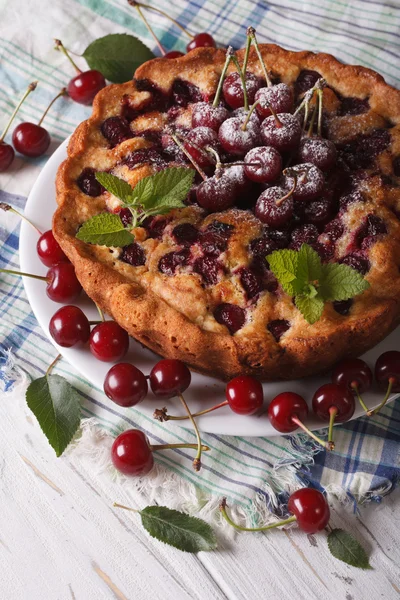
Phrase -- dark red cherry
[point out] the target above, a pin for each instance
(185, 234)
(88, 183)
(359, 263)
(283, 408)
(196, 143)
(278, 327)
(83, 87)
(230, 315)
(272, 210)
(245, 395)
(318, 151)
(269, 164)
(125, 385)
(133, 254)
(232, 89)
(343, 307)
(205, 114)
(172, 260)
(221, 191)
(354, 374)
(7, 155)
(173, 54)
(310, 508)
(234, 139)
(201, 40)
(332, 395)
(279, 96)
(306, 80)
(283, 135)
(387, 368)
(310, 181)
(131, 453)
(116, 130)
(69, 326)
(30, 139)
(305, 234)
(49, 250)
(169, 378)
(209, 269)
(109, 342)
(62, 283)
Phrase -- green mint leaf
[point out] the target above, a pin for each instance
(284, 265)
(116, 186)
(310, 308)
(105, 229)
(309, 267)
(177, 529)
(340, 282)
(117, 56)
(164, 190)
(55, 404)
(343, 546)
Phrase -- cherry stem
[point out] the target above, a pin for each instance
(63, 92)
(162, 416)
(229, 54)
(290, 192)
(197, 460)
(218, 162)
(251, 32)
(157, 447)
(53, 364)
(10, 272)
(312, 121)
(354, 387)
(60, 46)
(188, 155)
(300, 424)
(166, 15)
(222, 508)
(7, 207)
(320, 106)
(277, 119)
(243, 79)
(392, 381)
(149, 27)
(30, 88)
(100, 313)
(247, 52)
(248, 116)
(126, 507)
(333, 411)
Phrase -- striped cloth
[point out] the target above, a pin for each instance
(254, 473)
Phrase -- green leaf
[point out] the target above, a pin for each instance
(116, 186)
(55, 404)
(283, 264)
(164, 190)
(105, 229)
(177, 529)
(309, 267)
(340, 282)
(343, 546)
(310, 308)
(117, 56)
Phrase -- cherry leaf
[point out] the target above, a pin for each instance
(117, 56)
(189, 534)
(55, 404)
(345, 547)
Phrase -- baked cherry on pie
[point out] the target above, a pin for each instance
(195, 284)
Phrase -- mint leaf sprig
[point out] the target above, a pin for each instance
(312, 283)
(153, 195)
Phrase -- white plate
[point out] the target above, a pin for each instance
(204, 391)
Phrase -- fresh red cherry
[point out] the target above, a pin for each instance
(310, 181)
(283, 408)
(238, 137)
(201, 40)
(125, 385)
(279, 97)
(354, 374)
(169, 378)
(131, 453)
(173, 54)
(310, 508)
(317, 150)
(245, 395)
(83, 87)
(387, 370)
(331, 395)
(207, 115)
(49, 250)
(274, 207)
(221, 191)
(7, 155)
(62, 283)
(30, 139)
(69, 326)
(282, 132)
(233, 89)
(264, 164)
(109, 342)
(197, 142)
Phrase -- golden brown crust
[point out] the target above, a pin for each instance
(173, 316)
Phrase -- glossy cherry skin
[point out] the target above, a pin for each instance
(125, 385)
(332, 395)
(201, 40)
(62, 283)
(310, 508)
(283, 408)
(84, 86)
(245, 395)
(173, 54)
(353, 373)
(109, 342)
(7, 155)
(69, 326)
(49, 250)
(169, 377)
(131, 453)
(205, 114)
(30, 139)
(388, 367)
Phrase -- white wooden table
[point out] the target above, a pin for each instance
(61, 539)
